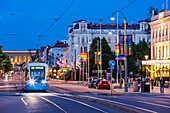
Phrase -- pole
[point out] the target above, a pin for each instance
(111, 82)
(120, 74)
(117, 43)
(125, 53)
(100, 48)
(75, 66)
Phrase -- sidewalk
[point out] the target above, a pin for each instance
(155, 91)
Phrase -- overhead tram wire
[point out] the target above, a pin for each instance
(55, 21)
(127, 5)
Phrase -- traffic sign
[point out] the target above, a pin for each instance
(111, 63)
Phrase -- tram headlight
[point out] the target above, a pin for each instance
(43, 82)
(32, 81)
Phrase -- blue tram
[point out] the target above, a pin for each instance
(34, 76)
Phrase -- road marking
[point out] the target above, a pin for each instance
(24, 101)
(155, 104)
(163, 102)
(82, 104)
(53, 104)
(123, 104)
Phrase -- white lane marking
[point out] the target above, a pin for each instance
(123, 104)
(24, 101)
(162, 102)
(53, 104)
(82, 103)
(155, 104)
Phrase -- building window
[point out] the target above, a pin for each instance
(143, 27)
(153, 34)
(109, 39)
(83, 27)
(82, 39)
(116, 41)
(156, 34)
(87, 39)
(25, 59)
(81, 49)
(15, 59)
(85, 49)
(29, 58)
(20, 59)
(78, 39)
(162, 32)
(166, 31)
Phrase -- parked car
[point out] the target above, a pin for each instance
(92, 82)
(103, 84)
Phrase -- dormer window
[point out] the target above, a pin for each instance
(83, 27)
(143, 27)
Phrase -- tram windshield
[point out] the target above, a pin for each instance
(37, 73)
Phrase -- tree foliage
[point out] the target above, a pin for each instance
(139, 51)
(4, 61)
(107, 54)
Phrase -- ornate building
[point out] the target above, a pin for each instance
(17, 57)
(160, 46)
(81, 34)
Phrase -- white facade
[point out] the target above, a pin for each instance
(81, 34)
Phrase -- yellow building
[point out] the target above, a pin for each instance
(17, 57)
(159, 65)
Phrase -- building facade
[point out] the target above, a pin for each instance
(53, 55)
(159, 65)
(81, 34)
(17, 57)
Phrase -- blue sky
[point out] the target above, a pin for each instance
(21, 21)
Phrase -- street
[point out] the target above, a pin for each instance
(70, 97)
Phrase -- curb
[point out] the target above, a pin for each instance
(125, 109)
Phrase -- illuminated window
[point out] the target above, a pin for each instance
(20, 59)
(25, 59)
(15, 59)
(29, 58)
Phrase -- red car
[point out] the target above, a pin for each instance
(103, 84)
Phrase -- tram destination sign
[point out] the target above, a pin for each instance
(37, 67)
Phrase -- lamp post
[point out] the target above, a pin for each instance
(146, 58)
(89, 63)
(125, 48)
(75, 62)
(100, 48)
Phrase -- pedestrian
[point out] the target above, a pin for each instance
(152, 83)
(162, 82)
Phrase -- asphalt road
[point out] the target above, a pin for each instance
(75, 98)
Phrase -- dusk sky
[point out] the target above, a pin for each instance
(22, 21)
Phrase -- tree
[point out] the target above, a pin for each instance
(4, 61)
(107, 54)
(150, 10)
(139, 51)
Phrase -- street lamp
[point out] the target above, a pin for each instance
(75, 62)
(100, 48)
(146, 58)
(125, 47)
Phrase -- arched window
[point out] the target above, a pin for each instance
(15, 59)
(29, 58)
(20, 59)
(25, 59)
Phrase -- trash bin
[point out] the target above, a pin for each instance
(146, 86)
(135, 86)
